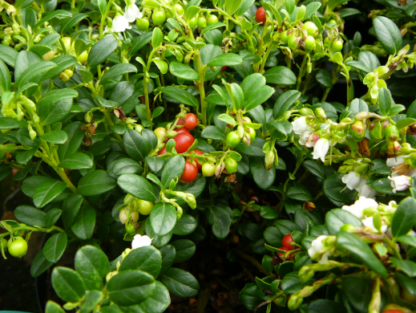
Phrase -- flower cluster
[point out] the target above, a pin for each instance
(121, 21)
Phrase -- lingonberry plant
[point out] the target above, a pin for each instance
(166, 122)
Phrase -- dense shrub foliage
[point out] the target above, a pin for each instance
(161, 122)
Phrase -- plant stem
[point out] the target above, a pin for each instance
(204, 105)
(302, 67)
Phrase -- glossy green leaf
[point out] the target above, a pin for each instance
(163, 218)
(68, 284)
(388, 34)
(147, 259)
(96, 183)
(137, 186)
(83, 226)
(183, 71)
(93, 265)
(55, 247)
(47, 191)
(180, 283)
(102, 50)
(404, 218)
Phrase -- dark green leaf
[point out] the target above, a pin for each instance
(93, 265)
(163, 218)
(55, 247)
(137, 186)
(68, 284)
(96, 183)
(180, 283)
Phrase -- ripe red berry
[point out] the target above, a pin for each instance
(183, 142)
(163, 151)
(190, 173)
(286, 242)
(191, 121)
(223, 68)
(182, 130)
(261, 15)
(15, 170)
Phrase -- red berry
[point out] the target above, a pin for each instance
(223, 68)
(191, 121)
(261, 15)
(181, 121)
(282, 255)
(182, 130)
(183, 142)
(15, 170)
(190, 173)
(286, 242)
(198, 152)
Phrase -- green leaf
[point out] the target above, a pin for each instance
(102, 6)
(404, 218)
(5, 78)
(173, 169)
(93, 265)
(280, 75)
(52, 307)
(405, 122)
(10, 123)
(62, 62)
(388, 34)
(213, 132)
(55, 105)
(130, 287)
(264, 178)
(336, 218)
(96, 183)
(84, 223)
(73, 144)
(71, 22)
(157, 37)
(157, 302)
(358, 293)
(185, 225)
(30, 215)
(191, 12)
(55, 247)
(68, 284)
(39, 264)
(334, 3)
(162, 65)
(137, 186)
(181, 95)
(102, 50)
(47, 191)
(258, 97)
(163, 218)
(180, 283)
(70, 209)
(92, 299)
(406, 266)
(335, 190)
(184, 248)
(385, 101)
(311, 8)
(285, 101)
(250, 296)
(140, 41)
(315, 168)
(77, 161)
(135, 144)
(147, 259)
(231, 6)
(361, 251)
(118, 70)
(124, 166)
(55, 136)
(8, 55)
(183, 71)
(212, 26)
(226, 59)
(299, 192)
(218, 217)
(33, 71)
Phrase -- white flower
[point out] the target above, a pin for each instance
(392, 162)
(311, 140)
(316, 246)
(120, 24)
(140, 241)
(300, 126)
(304, 137)
(132, 13)
(400, 183)
(359, 206)
(352, 180)
(366, 191)
(369, 222)
(392, 207)
(321, 149)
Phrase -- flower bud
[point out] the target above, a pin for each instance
(11, 10)
(66, 75)
(357, 131)
(376, 131)
(269, 160)
(83, 57)
(391, 133)
(294, 302)
(320, 112)
(393, 147)
(362, 115)
(306, 112)
(48, 56)
(138, 128)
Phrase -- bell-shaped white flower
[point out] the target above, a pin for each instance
(321, 149)
(140, 241)
(392, 162)
(304, 137)
(369, 222)
(359, 206)
(352, 180)
(132, 13)
(367, 191)
(300, 126)
(400, 183)
(120, 24)
(316, 246)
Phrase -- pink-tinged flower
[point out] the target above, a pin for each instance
(400, 183)
(120, 24)
(132, 13)
(311, 140)
(321, 149)
(367, 191)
